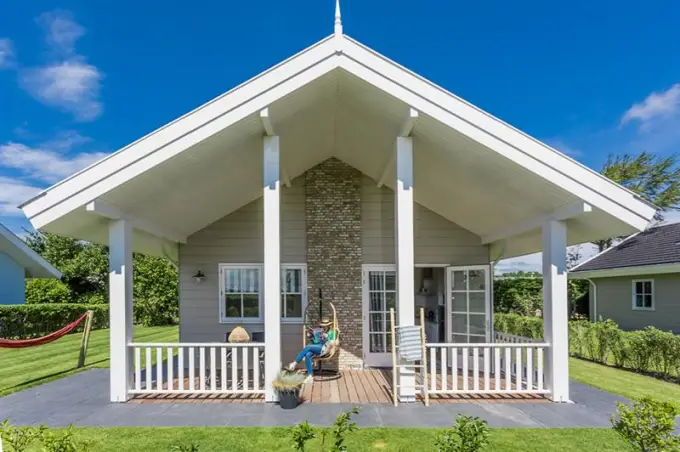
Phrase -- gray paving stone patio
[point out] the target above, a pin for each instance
(82, 399)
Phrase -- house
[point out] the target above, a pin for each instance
(637, 282)
(17, 262)
(337, 169)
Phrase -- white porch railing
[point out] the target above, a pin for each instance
(198, 368)
(497, 368)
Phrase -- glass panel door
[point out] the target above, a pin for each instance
(468, 304)
(380, 294)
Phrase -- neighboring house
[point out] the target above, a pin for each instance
(637, 282)
(337, 169)
(17, 262)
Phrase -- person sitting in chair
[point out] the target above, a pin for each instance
(321, 340)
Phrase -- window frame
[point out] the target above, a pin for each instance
(635, 293)
(221, 294)
(303, 282)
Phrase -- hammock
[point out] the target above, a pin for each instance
(23, 343)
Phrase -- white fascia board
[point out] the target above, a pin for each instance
(627, 271)
(181, 134)
(266, 122)
(24, 254)
(563, 213)
(113, 213)
(405, 131)
(496, 135)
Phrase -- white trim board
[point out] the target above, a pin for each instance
(373, 68)
(20, 252)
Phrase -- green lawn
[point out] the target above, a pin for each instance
(622, 382)
(366, 439)
(23, 368)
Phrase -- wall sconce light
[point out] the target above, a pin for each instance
(199, 277)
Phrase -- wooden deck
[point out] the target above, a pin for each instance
(369, 386)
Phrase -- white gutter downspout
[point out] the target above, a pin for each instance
(593, 316)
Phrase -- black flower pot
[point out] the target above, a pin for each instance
(289, 399)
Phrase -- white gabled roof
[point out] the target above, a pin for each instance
(617, 210)
(34, 264)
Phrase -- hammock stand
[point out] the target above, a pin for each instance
(24, 343)
(333, 345)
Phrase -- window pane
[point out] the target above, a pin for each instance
(477, 301)
(477, 280)
(376, 324)
(375, 281)
(251, 305)
(648, 300)
(232, 280)
(292, 281)
(459, 302)
(377, 343)
(233, 305)
(293, 305)
(391, 298)
(638, 287)
(648, 287)
(477, 324)
(458, 280)
(638, 301)
(377, 302)
(390, 281)
(250, 280)
(459, 324)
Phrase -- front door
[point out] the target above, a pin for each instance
(468, 304)
(379, 295)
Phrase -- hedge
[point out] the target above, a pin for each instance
(35, 320)
(649, 351)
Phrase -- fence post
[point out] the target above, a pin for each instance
(84, 341)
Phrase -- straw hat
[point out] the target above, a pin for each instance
(239, 335)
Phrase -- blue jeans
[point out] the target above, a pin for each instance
(307, 353)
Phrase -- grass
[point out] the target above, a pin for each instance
(27, 367)
(622, 382)
(366, 439)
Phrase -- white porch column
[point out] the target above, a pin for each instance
(120, 308)
(556, 309)
(403, 203)
(272, 265)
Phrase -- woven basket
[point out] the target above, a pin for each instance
(238, 335)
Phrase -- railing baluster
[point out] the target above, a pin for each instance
(497, 374)
(234, 369)
(192, 369)
(180, 368)
(256, 368)
(475, 368)
(433, 368)
(530, 369)
(201, 368)
(245, 369)
(466, 370)
(518, 369)
(445, 352)
(213, 376)
(170, 369)
(508, 369)
(138, 369)
(539, 377)
(486, 368)
(223, 368)
(148, 369)
(454, 367)
(159, 369)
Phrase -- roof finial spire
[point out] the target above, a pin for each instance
(338, 19)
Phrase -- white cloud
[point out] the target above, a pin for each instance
(72, 86)
(12, 193)
(6, 53)
(48, 162)
(62, 30)
(656, 105)
(68, 82)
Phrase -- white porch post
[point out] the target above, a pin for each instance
(120, 308)
(272, 265)
(403, 202)
(556, 309)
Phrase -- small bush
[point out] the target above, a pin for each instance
(303, 432)
(63, 442)
(648, 425)
(185, 448)
(605, 335)
(468, 434)
(19, 439)
(40, 291)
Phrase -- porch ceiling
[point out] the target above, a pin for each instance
(342, 116)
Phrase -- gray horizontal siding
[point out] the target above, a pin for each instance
(615, 301)
(437, 240)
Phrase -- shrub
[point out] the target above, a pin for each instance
(468, 434)
(63, 442)
(605, 335)
(303, 432)
(621, 350)
(47, 291)
(19, 439)
(648, 425)
(35, 320)
(640, 355)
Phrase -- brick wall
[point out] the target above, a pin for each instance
(333, 221)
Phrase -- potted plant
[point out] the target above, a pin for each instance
(288, 385)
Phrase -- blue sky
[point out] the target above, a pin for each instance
(79, 80)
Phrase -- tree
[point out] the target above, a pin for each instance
(653, 177)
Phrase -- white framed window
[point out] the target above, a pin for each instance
(643, 294)
(241, 293)
(293, 292)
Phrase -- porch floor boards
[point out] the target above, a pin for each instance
(368, 386)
